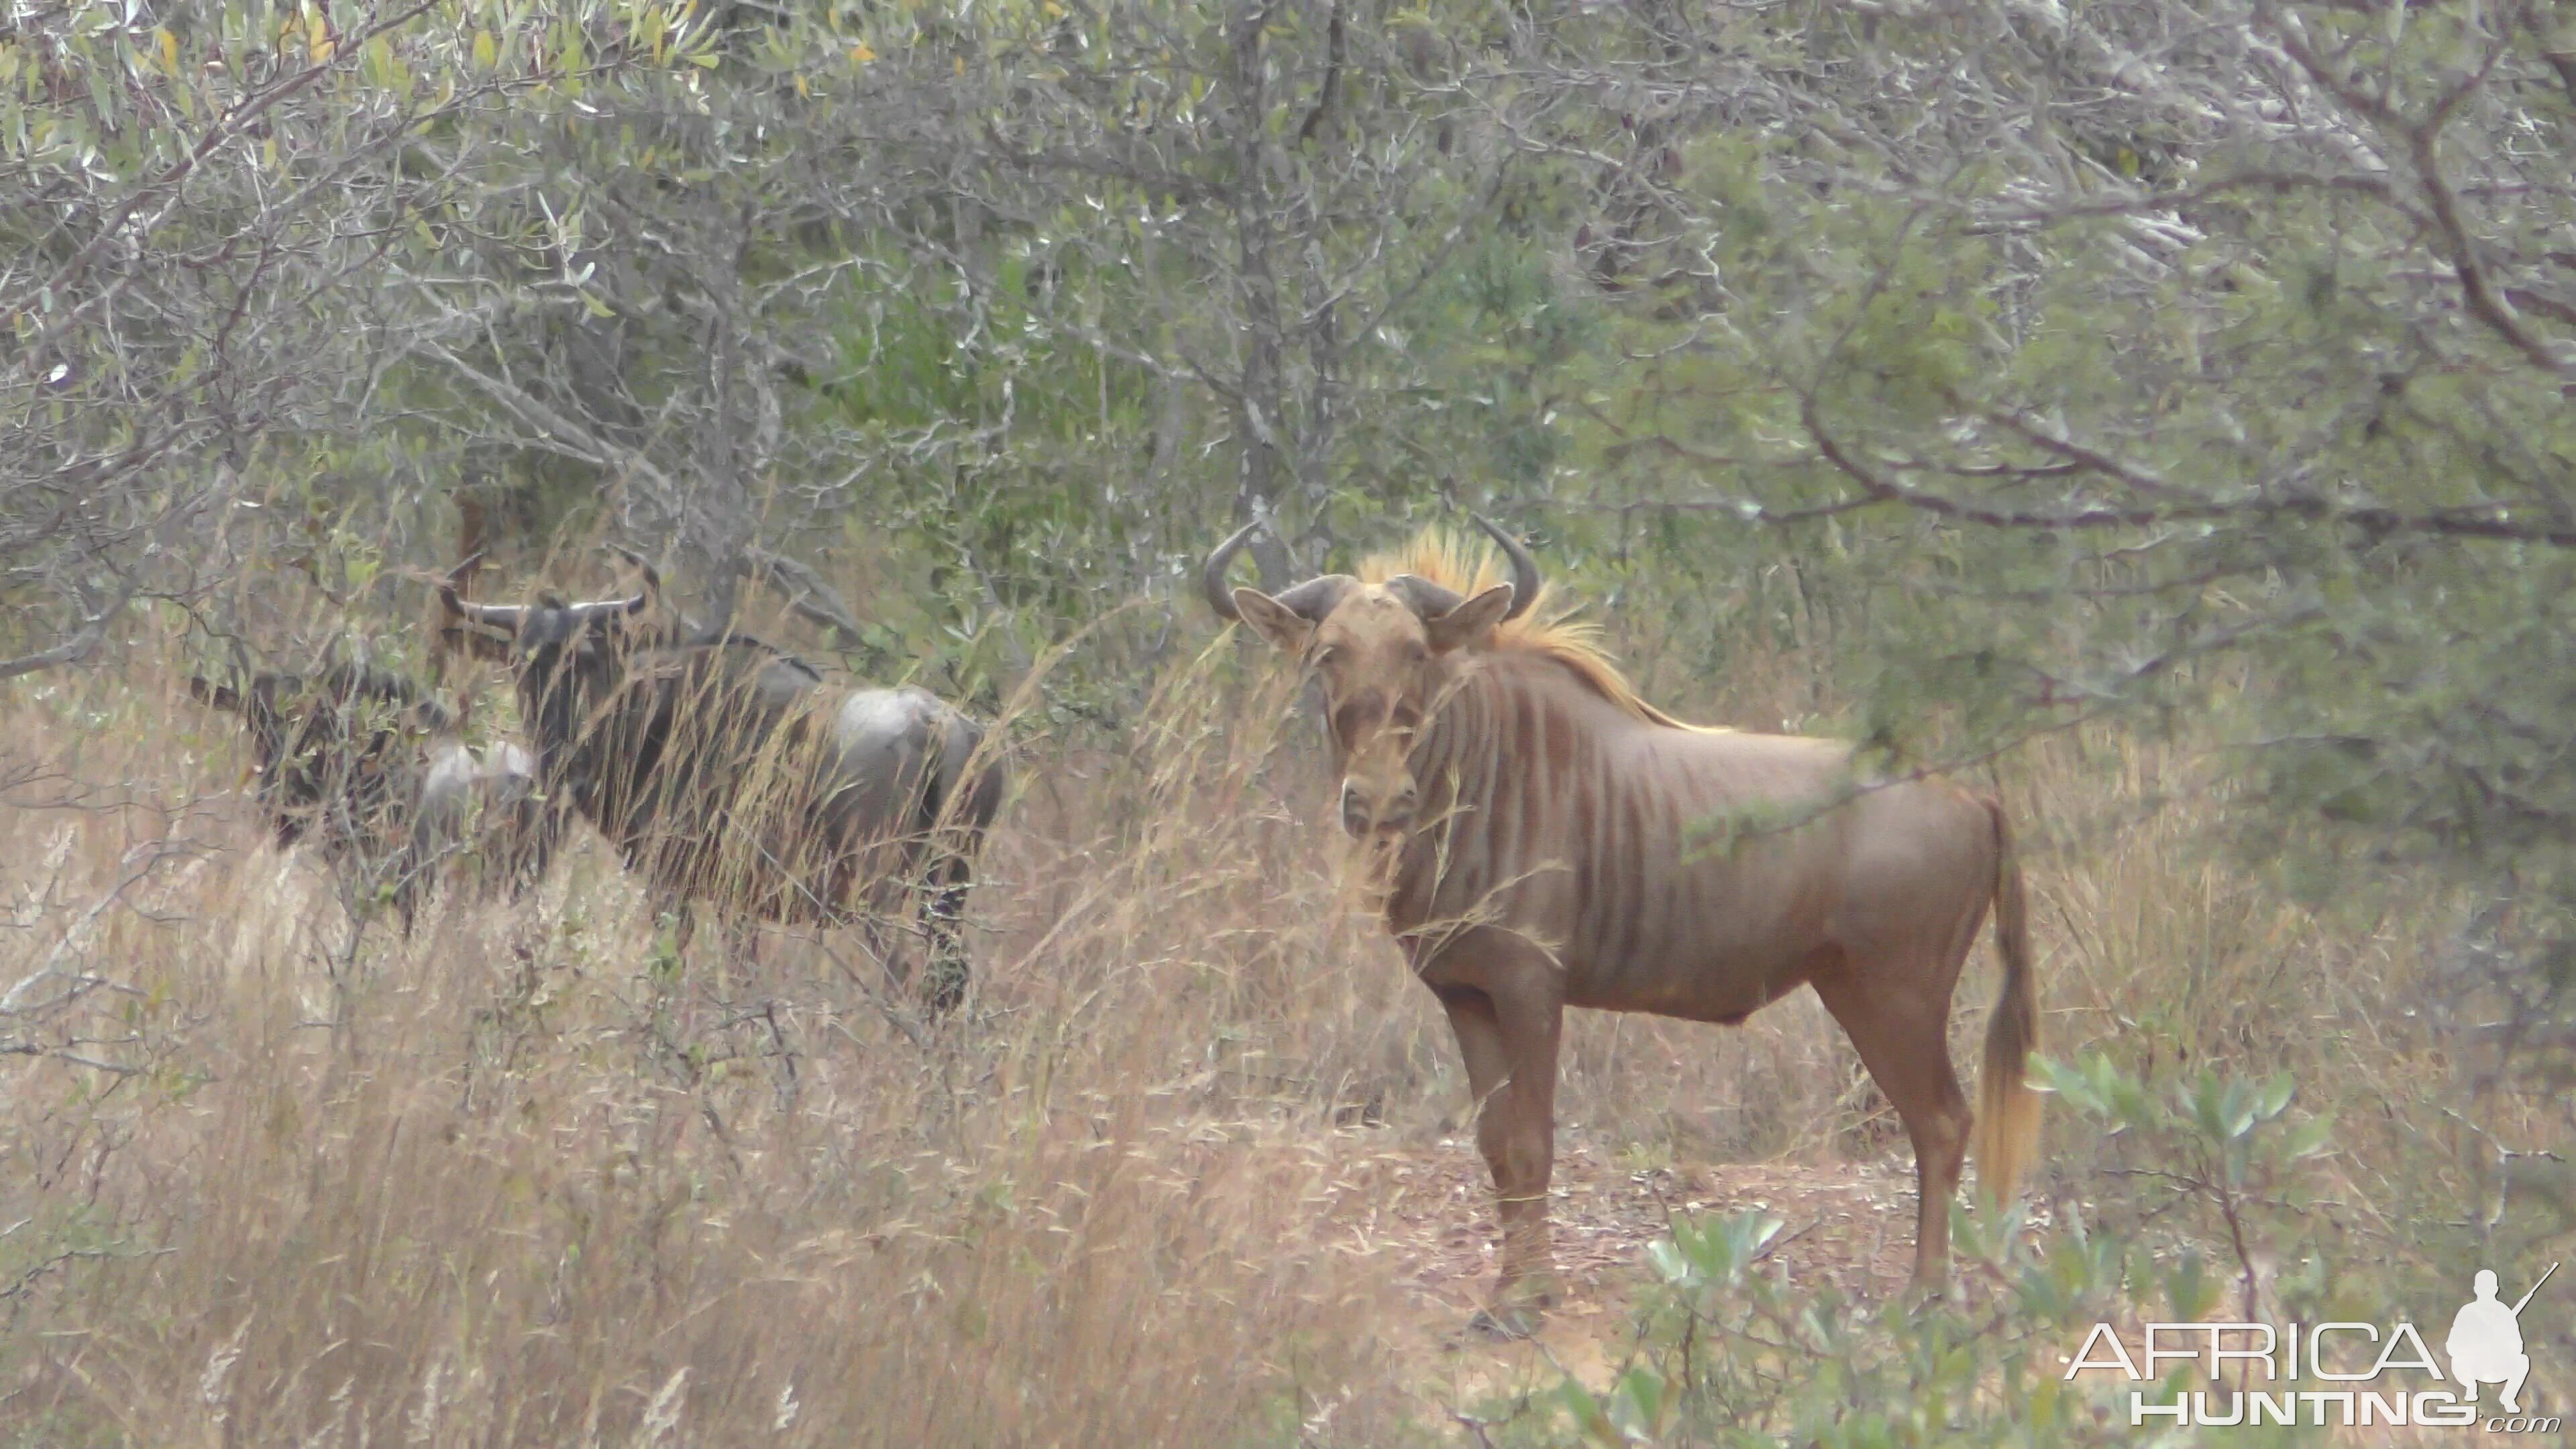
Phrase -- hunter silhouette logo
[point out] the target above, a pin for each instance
(2486, 1341)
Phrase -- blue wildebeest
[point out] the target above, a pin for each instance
(726, 773)
(370, 767)
(1547, 837)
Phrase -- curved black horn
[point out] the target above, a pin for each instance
(497, 616)
(1212, 575)
(1429, 600)
(1316, 597)
(652, 576)
(1525, 577)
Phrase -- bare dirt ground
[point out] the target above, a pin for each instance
(1428, 1214)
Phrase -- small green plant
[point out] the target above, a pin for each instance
(1730, 1349)
(662, 965)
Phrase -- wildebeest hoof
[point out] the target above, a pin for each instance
(1506, 1321)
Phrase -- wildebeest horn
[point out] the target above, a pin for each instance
(1316, 597)
(1212, 576)
(1525, 578)
(1429, 600)
(1311, 600)
(497, 616)
(595, 608)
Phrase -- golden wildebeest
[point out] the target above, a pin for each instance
(726, 773)
(1549, 841)
(371, 767)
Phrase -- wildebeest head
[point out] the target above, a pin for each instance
(566, 657)
(325, 746)
(1380, 651)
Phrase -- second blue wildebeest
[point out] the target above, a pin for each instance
(364, 763)
(727, 773)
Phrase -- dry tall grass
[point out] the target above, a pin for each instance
(517, 1180)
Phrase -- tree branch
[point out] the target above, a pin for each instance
(806, 592)
(2486, 521)
(225, 126)
(560, 433)
(83, 642)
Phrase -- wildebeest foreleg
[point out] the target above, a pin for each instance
(1509, 1042)
(1480, 1044)
(530, 845)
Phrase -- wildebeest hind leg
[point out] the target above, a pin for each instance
(412, 880)
(1902, 1035)
(943, 919)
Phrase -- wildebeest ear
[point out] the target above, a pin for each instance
(476, 643)
(1285, 628)
(215, 695)
(1469, 622)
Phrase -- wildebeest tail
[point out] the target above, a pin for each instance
(2007, 1108)
(958, 802)
(965, 790)
(960, 795)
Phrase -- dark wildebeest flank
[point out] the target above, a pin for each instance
(726, 773)
(1546, 835)
(366, 763)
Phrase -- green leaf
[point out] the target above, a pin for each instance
(2276, 1095)
(2308, 1138)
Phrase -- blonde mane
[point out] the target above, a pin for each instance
(1471, 567)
